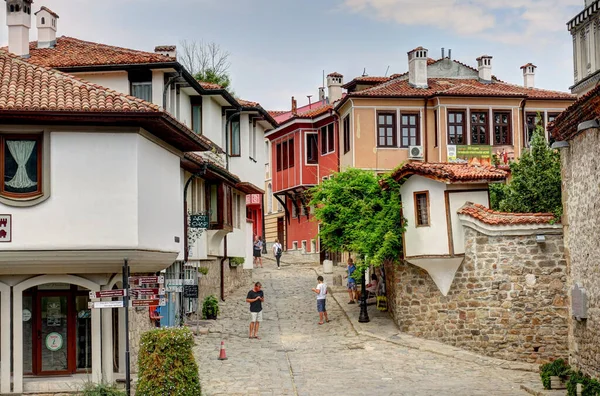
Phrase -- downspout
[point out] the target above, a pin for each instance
(523, 126)
(426, 131)
(223, 268)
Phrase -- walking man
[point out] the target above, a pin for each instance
(255, 297)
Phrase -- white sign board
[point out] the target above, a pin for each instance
(5, 228)
(105, 304)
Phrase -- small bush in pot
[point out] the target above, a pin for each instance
(236, 261)
(210, 307)
(558, 368)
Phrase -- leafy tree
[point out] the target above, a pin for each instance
(535, 185)
(207, 62)
(357, 215)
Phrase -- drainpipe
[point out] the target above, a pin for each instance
(523, 125)
(223, 268)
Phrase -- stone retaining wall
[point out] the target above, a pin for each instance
(235, 277)
(508, 299)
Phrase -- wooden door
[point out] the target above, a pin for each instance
(53, 340)
(280, 232)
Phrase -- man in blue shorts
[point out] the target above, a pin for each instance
(351, 282)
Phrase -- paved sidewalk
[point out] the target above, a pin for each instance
(296, 356)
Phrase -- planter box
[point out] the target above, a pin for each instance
(558, 383)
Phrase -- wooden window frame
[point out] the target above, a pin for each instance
(508, 125)
(527, 134)
(346, 128)
(235, 120)
(417, 127)
(393, 125)
(455, 124)
(291, 153)
(39, 138)
(435, 123)
(224, 206)
(331, 138)
(312, 149)
(416, 203)
(485, 124)
(278, 160)
(284, 155)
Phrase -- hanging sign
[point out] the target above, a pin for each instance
(149, 303)
(54, 341)
(190, 291)
(105, 304)
(146, 280)
(199, 221)
(107, 293)
(153, 290)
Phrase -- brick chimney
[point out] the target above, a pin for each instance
(334, 86)
(166, 50)
(46, 21)
(529, 75)
(321, 94)
(417, 67)
(18, 20)
(484, 64)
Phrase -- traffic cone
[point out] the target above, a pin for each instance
(222, 355)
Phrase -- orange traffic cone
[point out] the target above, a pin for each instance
(222, 355)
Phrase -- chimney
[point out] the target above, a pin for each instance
(321, 94)
(529, 75)
(417, 67)
(166, 50)
(484, 63)
(46, 26)
(18, 20)
(294, 106)
(334, 86)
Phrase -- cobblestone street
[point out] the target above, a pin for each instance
(296, 356)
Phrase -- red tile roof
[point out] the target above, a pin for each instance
(29, 89)
(247, 103)
(450, 173)
(209, 85)
(316, 112)
(48, 10)
(528, 64)
(492, 217)
(71, 52)
(165, 48)
(586, 108)
(335, 74)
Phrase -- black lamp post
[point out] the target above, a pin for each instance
(364, 315)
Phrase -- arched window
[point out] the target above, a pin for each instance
(43, 21)
(269, 199)
(12, 8)
(17, 8)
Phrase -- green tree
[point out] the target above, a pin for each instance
(358, 216)
(207, 62)
(535, 185)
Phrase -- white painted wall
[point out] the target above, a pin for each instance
(432, 240)
(158, 85)
(457, 200)
(237, 241)
(160, 197)
(185, 109)
(248, 263)
(245, 168)
(117, 80)
(212, 124)
(95, 201)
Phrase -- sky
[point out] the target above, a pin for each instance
(280, 48)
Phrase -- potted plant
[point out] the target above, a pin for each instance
(555, 375)
(236, 261)
(210, 307)
(202, 271)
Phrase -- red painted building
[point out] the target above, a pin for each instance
(304, 152)
(254, 212)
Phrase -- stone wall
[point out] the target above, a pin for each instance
(508, 299)
(581, 223)
(139, 323)
(234, 278)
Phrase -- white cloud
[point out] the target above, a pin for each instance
(509, 21)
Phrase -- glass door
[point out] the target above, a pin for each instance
(52, 333)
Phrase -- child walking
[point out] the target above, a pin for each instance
(321, 291)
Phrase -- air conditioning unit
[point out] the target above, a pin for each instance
(415, 152)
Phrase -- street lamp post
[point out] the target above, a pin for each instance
(364, 315)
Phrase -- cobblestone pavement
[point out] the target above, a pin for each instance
(296, 356)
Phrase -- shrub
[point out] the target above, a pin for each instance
(558, 368)
(91, 389)
(166, 364)
(591, 387)
(235, 261)
(203, 270)
(210, 307)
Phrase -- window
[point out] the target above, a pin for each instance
(456, 128)
(212, 204)
(253, 139)
(141, 84)
(312, 148)
(422, 209)
(502, 129)
(291, 152)
(386, 129)
(278, 159)
(197, 115)
(479, 127)
(284, 155)
(346, 127)
(219, 200)
(435, 123)
(327, 139)
(409, 130)
(532, 121)
(269, 198)
(21, 166)
(237, 221)
(227, 205)
(234, 137)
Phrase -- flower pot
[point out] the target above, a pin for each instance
(558, 383)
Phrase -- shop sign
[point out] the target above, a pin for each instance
(199, 221)
(54, 341)
(5, 228)
(53, 314)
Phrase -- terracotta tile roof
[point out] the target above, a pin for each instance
(277, 113)
(416, 49)
(586, 108)
(48, 10)
(247, 103)
(491, 217)
(27, 88)
(460, 87)
(335, 74)
(316, 112)
(528, 64)
(71, 52)
(218, 169)
(209, 85)
(450, 173)
(165, 48)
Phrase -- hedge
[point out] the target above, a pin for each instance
(166, 364)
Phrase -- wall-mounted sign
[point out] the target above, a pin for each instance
(54, 341)
(472, 155)
(580, 302)
(190, 291)
(199, 221)
(26, 315)
(5, 228)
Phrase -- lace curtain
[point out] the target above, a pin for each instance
(21, 151)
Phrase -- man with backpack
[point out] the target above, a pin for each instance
(277, 251)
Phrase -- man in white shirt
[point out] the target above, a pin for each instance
(321, 291)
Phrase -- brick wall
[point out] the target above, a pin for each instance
(508, 299)
(581, 192)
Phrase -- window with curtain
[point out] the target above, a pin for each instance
(386, 129)
(234, 138)
(502, 128)
(479, 127)
(409, 130)
(312, 148)
(456, 128)
(422, 209)
(142, 90)
(346, 127)
(21, 165)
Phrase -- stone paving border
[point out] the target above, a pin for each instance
(380, 329)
